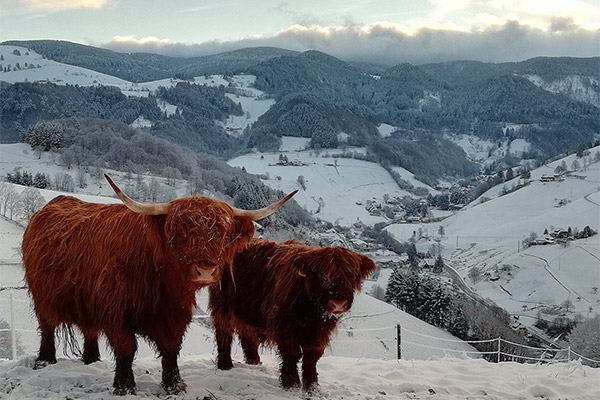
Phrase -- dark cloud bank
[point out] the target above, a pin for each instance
(384, 45)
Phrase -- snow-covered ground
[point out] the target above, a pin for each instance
(360, 363)
(336, 189)
(485, 235)
(340, 378)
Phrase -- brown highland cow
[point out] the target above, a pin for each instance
(289, 295)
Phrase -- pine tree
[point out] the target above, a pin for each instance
(438, 266)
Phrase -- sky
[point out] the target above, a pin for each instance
(379, 31)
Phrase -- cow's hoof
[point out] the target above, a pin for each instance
(123, 391)
(313, 390)
(39, 364)
(224, 365)
(176, 387)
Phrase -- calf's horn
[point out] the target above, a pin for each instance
(263, 212)
(136, 206)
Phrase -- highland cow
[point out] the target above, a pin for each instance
(129, 269)
(289, 295)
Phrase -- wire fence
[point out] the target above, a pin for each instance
(494, 350)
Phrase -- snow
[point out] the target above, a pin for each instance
(386, 130)
(359, 364)
(485, 235)
(575, 86)
(49, 71)
(339, 182)
(485, 151)
(339, 377)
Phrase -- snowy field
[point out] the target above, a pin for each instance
(340, 378)
(336, 189)
(484, 235)
(360, 363)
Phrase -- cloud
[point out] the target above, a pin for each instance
(390, 44)
(66, 4)
(145, 41)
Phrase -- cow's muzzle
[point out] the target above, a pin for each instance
(338, 306)
(205, 274)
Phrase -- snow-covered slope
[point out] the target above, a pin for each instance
(582, 88)
(335, 189)
(489, 236)
(29, 66)
(484, 235)
(341, 378)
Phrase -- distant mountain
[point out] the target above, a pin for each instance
(550, 73)
(143, 67)
(549, 68)
(552, 104)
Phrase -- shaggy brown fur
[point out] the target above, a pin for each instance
(106, 269)
(289, 295)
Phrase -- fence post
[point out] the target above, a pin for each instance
(398, 339)
(499, 342)
(13, 336)
(569, 354)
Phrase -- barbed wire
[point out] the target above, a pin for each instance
(498, 340)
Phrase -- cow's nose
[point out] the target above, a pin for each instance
(338, 306)
(206, 274)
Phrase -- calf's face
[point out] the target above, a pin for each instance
(332, 276)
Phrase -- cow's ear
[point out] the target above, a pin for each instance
(244, 227)
(300, 265)
(367, 267)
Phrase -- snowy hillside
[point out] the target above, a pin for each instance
(29, 66)
(484, 235)
(577, 87)
(359, 365)
(340, 378)
(335, 189)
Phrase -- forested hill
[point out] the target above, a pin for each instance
(143, 67)
(552, 104)
(548, 68)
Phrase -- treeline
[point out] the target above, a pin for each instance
(24, 104)
(428, 299)
(193, 125)
(93, 145)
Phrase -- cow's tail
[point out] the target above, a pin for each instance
(66, 334)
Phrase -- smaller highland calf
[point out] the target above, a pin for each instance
(289, 295)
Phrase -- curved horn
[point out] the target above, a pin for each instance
(135, 206)
(263, 212)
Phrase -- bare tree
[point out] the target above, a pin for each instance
(30, 200)
(8, 198)
(81, 178)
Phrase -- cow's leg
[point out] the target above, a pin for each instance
(47, 353)
(310, 356)
(124, 345)
(91, 352)
(249, 344)
(224, 338)
(289, 350)
(171, 378)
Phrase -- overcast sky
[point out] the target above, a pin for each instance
(381, 31)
